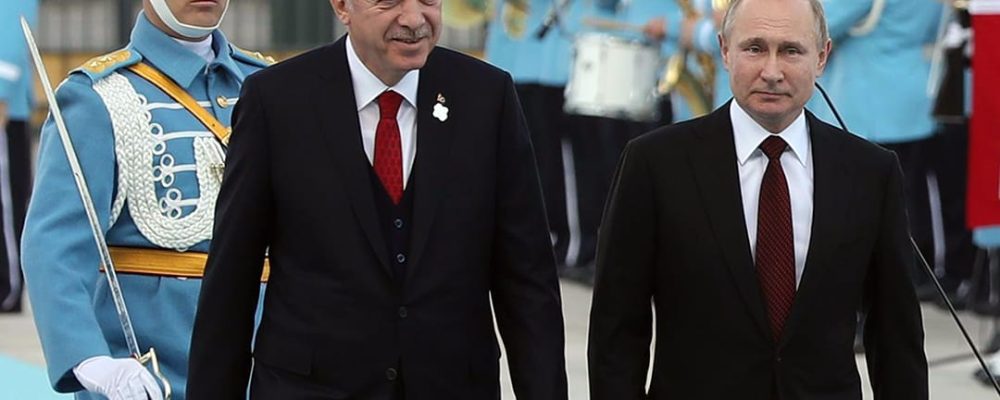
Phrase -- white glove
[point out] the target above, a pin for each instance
(117, 378)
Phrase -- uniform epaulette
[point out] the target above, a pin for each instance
(101, 66)
(252, 57)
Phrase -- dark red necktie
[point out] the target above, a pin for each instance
(388, 161)
(775, 258)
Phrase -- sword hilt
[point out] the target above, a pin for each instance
(154, 364)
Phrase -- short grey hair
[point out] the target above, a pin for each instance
(822, 33)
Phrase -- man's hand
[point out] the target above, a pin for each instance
(117, 379)
(655, 29)
(687, 32)
(3, 115)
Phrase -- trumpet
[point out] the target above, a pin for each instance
(697, 91)
(466, 13)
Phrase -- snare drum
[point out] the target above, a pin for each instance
(613, 77)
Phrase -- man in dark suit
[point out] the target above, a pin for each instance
(757, 232)
(392, 185)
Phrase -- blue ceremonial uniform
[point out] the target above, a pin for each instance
(15, 69)
(149, 167)
(547, 61)
(878, 79)
(15, 145)
(704, 39)
(528, 59)
(638, 13)
(877, 76)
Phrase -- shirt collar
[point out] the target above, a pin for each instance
(367, 86)
(203, 48)
(748, 135)
(176, 61)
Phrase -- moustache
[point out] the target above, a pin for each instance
(411, 35)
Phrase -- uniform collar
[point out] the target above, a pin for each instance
(177, 62)
(748, 135)
(367, 86)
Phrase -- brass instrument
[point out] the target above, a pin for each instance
(463, 14)
(720, 5)
(697, 91)
(958, 4)
(514, 16)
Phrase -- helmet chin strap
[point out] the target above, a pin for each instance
(186, 30)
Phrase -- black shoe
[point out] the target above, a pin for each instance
(981, 376)
(13, 310)
(957, 293)
(994, 345)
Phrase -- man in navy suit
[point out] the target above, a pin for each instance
(393, 187)
(757, 232)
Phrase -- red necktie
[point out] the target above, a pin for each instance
(388, 162)
(775, 258)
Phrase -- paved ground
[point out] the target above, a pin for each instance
(22, 375)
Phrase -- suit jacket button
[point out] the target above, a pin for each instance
(402, 312)
(391, 374)
(398, 223)
(400, 258)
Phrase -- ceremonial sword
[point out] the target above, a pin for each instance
(95, 227)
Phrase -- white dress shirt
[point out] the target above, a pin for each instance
(796, 161)
(203, 48)
(367, 88)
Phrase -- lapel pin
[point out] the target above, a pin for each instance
(440, 98)
(440, 112)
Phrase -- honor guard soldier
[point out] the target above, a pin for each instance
(15, 146)
(539, 62)
(702, 34)
(150, 124)
(877, 77)
(576, 154)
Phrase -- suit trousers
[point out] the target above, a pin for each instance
(576, 158)
(15, 188)
(913, 161)
(950, 165)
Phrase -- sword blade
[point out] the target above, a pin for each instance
(88, 202)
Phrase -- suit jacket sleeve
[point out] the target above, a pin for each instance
(221, 344)
(525, 288)
(894, 333)
(621, 315)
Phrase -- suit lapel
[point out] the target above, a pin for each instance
(831, 192)
(433, 159)
(715, 164)
(340, 129)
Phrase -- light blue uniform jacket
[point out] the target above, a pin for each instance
(528, 59)
(878, 81)
(15, 68)
(73, 310)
